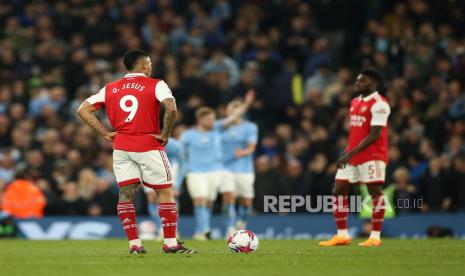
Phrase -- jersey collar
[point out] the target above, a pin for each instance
(369, 97)
(131, 75)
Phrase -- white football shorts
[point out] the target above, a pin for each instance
(207, 185)
(151, 168)
(174, 172)
(371, 172)
(243, 183)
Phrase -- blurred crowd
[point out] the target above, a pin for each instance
(300, 56)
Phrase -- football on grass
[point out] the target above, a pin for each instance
(243, 241)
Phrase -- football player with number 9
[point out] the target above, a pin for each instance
(132, 105)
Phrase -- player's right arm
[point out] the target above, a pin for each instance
(375, 133)
(86, 112)
(380, 113)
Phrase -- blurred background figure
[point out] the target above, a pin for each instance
(22, 199)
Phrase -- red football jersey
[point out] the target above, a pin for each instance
(372, 110)
(133, 108)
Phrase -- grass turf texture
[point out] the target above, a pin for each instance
(283, 257)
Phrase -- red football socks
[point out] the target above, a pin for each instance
(341, 212)
(127, 216)
(377, 218)
(168, 213)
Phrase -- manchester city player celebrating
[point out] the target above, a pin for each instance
(203, 153)
(239, 141)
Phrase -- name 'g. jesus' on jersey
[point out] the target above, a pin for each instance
(132, 104)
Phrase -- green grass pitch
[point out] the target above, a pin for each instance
(283, 257)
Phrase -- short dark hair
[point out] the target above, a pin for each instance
(131, 57)
(372, 73)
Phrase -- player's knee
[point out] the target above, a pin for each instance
(200, 201)
(152, 197)
(228, 198)
(246, 202)
(127, 193)
(165, 195)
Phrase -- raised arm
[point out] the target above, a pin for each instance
(239, 112)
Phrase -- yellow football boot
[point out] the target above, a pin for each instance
(370, 242)
(336, 241)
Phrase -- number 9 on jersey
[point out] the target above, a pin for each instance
(132, 108)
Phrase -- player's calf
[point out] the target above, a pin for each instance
(229, 212)
(168, 213)
(169, 216)
(245, 211)
(377, 218)
(127, 216)
(341, 207)
(340, 214)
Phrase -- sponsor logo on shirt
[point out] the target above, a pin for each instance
(357, 120)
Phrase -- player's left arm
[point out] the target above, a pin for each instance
(164, 95)
(86, 112)
(250, 149)
(169, 119)
(239, 112)
(379, 115)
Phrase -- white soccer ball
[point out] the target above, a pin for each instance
(243, 241)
